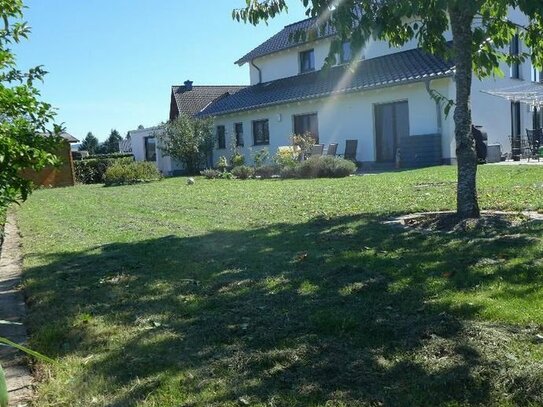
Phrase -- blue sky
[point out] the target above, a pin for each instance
(111, 63)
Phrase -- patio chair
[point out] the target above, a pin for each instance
(317, 149)
(534, 142)
(350, 150)
(332, 149)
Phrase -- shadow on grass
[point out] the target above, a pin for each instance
(345, 310)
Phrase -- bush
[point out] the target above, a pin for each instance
(267, 171)
(92, 171)
(322, 167)
(243, 172)
(261, 157)
(211, 173)
(286, 157)
(131, 173)
(290, 172)
(237, 160)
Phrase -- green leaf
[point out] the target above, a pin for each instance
(26, 350)
(3, 389)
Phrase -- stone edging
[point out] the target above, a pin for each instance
(12, 316)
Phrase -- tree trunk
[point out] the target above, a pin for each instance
(466, 195)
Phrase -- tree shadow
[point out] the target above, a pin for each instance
(345, 309)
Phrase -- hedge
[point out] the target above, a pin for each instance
(92, 171)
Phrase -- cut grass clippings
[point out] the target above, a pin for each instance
(284, 293)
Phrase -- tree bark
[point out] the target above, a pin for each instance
(466, 194)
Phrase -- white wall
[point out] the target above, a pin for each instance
(494, 113)
(284, 64)
(165, 164)
(340, 118)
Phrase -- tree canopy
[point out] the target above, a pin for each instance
(25, 121)
(481, 31)
(90, 143)
(188, 140)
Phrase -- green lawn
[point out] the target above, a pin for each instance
(284, 293)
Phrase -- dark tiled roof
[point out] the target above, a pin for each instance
(282, 40)
(191, 102)
(67, 136)
(389, 70)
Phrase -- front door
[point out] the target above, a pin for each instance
(391, 124)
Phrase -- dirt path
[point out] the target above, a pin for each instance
(12, 314)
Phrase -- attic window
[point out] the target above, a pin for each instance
(346, 53)
(307, 61)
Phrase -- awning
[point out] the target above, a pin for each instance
(529, 93)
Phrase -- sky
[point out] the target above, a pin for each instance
(112, 63)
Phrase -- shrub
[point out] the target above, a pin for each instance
(131, 173)
(286, 157)
(267, 171)
(226, 175)
(188, 140)
(334, 167)
(222, 163)
(309, 168)
(237, 160)
(290, 172)
(322, 167)
(243, 172)
(211, 173)
(304, 142)
(92, 171)
(261, 157)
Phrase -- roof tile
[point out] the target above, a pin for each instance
(389, 70)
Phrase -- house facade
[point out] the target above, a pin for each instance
(185, 99)
(382, 97)
(379, 96)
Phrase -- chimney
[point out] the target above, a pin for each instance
(188, 85)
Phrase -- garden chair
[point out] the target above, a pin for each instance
(350, 150)
(332, 149)
(534, 142)
(317, 149)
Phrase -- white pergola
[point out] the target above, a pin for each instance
(529, 93)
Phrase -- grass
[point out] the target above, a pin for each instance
(284, 293)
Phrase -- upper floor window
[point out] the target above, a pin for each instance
(307, 61)
(514, 50)
(150, 148)
(221, 137)
(346, 52)
(537, 75)
(238, 129)
(307, 123)
(261, 132)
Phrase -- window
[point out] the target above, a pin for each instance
(238, 129)
(537, 76)
(346, 54)
(307, 123)
(514, 50)
(307, 61)
(221, 137)
(150, 148)
(261, 132)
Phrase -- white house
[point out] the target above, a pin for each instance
(381, 99)
(380, 96)
(187, 99)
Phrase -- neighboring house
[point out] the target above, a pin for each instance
(187, 99)
(62, 175)
(379, 96)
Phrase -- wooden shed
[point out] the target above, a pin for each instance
(61, 176)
